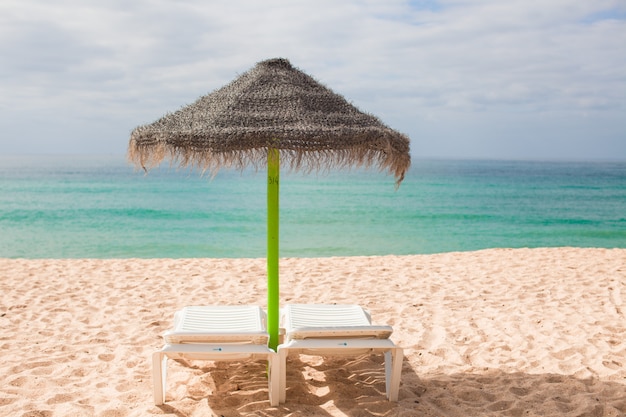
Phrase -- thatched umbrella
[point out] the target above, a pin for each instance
(271, 113)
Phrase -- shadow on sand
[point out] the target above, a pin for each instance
(356, 387)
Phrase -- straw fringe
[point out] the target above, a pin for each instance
(273, 106)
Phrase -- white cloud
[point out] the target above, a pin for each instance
(462, 78)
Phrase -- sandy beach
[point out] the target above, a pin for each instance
(498, 332)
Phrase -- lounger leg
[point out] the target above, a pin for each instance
(393, 370)
(159, 376)
(274, 379)
(282, 354)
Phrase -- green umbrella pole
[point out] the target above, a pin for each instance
(273, 174)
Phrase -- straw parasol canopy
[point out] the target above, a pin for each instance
(271, 106)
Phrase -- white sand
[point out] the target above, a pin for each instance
(502, 332)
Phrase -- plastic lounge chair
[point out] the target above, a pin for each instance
(322, 330)
(217, 333)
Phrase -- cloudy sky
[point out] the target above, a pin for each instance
(515, 79)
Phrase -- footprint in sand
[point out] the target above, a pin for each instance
(519, 392)
(19, 381)
(7, 401)
(612, 365)
(60, 398)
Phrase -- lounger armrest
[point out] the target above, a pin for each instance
(340, 332)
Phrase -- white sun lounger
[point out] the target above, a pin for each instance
(321, 329)
(216, 333)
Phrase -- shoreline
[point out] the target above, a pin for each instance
(283, 258)
(494, 332)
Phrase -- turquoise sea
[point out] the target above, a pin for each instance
(101, 207)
